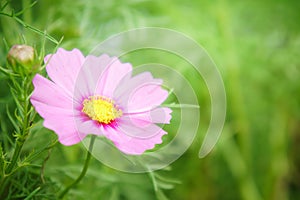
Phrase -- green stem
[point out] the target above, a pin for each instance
(26, 4)
(32, 28)
(84, 170)
(21, 137)
(3, 183)
(19, 145)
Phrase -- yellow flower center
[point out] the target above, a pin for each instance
(101, 109)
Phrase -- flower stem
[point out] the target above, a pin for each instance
(20, 137)
(18, 148)
(84, 170)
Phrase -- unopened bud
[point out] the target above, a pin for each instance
(21, 55)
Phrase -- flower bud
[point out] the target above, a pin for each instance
(21, 55)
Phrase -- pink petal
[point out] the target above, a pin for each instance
(122, 93)
(66, 132)
(131, 145)
(141, 93)
(111, 77)
(90, 127)
(52, 103)
(161, 115)
(61, 121)
(47, 92)
(137, 128)
(89, 74)
(67, 124)
(69, 138)
(63, 67)
(147, 96)
(51, 112)
(100, 76)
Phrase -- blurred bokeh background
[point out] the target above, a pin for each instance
(256, 47)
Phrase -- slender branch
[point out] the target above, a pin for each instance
(21, 135)
(17, 150)
(84, 170)
(26, 25)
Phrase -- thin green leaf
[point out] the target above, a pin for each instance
(164, 185)
(5, 44)
(17, 88)
(168, 180)
(19, 118)
(18, 104)
(154, 182)
(2, 162)
(12, 120)
(4, 6)
(24, 41)
(7, 71)
(160, 195)
(114, 194)
(32, 193)
(25, 9)
(25, 25)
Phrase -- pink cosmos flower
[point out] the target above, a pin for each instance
(99, 95)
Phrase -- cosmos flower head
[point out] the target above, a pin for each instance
(100, 96)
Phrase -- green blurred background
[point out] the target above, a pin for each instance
(256, 47)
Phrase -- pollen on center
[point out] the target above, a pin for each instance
(101, 109)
